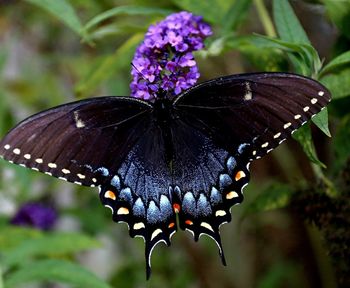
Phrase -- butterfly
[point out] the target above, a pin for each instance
(188, 156)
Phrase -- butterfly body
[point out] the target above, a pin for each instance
(174, 162)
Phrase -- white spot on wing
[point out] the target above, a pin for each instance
(277, 135)
(65, 171)
(39, 160)
(107, 206)
(313, 101)
(52, 165)
(17, 151)
(27, 156)
(306, 108)
(81, 176)
(155, 233)
(248, 93)
(287, 125)
(265, 145)
(282, 141)
(320, 93)
(297, 116)
(220, 213)
(7, 147)
(138, 226)
(78, 122)
(207, 226)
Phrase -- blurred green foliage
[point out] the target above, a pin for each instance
(52, 52)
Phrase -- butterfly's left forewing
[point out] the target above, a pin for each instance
(82, 142)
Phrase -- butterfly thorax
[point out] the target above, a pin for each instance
(164, 115)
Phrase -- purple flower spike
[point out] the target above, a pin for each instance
(35, 215)
(164, 61)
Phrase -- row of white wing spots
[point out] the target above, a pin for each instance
(18, 151)
(313, 101)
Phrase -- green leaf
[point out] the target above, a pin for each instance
(303, 136)
(12, 236)
(290, 30)
(321, 121)
(108, 67)
(342, 142)
(49, 245)
(111, 30)
(235, 15)
(63, 10)
(54, 271)
(336, 63)
(1, 278)
(280, 273)
(127, 10)
(287, 24)
(212, 10)
(338, 83)
(275, 196)
(304, 57)
(339, 12)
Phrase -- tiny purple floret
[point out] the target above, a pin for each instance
(164, 61)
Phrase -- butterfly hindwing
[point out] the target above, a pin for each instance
(140, 195)
(207, 180)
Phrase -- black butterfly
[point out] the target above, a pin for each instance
(188, 156)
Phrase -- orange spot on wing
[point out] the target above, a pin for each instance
(111, 195)
(171, 225)
(176, 207)
(188, 222)
(239, 175)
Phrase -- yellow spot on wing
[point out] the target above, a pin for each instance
(109, 194)
(232, 195)
(123, 211)
(239, 175)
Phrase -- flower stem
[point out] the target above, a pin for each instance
(330, 190)
(265, 18)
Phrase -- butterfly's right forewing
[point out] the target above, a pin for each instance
(253, 111)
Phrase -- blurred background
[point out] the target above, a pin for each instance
(292, 229)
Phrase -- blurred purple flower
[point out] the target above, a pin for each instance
(35, 215)
(164, 61)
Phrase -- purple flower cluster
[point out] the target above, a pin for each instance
(164, 61)
(35, 215)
